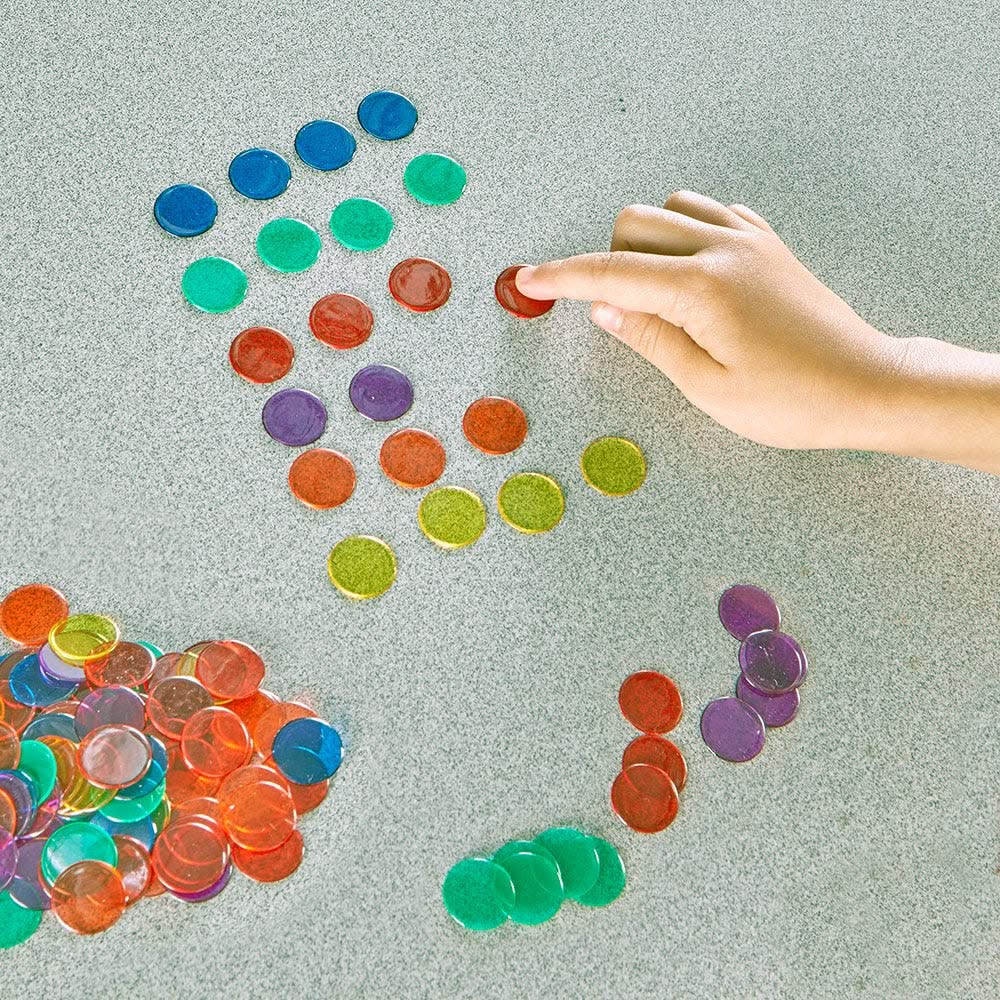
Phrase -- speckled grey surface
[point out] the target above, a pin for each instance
(858, 855)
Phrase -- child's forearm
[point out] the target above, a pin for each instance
(944, 405)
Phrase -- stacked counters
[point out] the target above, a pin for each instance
(527, 881)
(645, 794)
(772, 668)
(127, 773)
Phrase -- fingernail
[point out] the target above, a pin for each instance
(608, 317)
(525, 273)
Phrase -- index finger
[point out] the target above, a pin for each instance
(639, 282)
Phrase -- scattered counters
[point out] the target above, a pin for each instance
(531, 502)
(412, 458)
(152, 773)
(321, 478)
(494, 425)
(516, 302)
(613, 466)
(381, 393)
(434, 179)
(362, 567)
(259, 174)
(261, 354)
(341, 321)
(772, 664)
(387, 115)
(452, 517)
(361, 224)
(527, 882)
(325, 145)
(288, 245)
(185, 210)
(294, 417)
(419, 284)
(214, 284)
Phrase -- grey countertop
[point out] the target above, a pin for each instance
(858, 855)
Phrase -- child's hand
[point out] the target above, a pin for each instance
(714, 299)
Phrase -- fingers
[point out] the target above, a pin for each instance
(656, 230)
(639, 282)
(752, 217)
(705, 209)
(668, 347)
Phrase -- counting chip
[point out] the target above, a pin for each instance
(412, 458)
(434, 179)
(387, 115)
(381, 392)
(452, 517)
(8, 858)
(516, 302)
(341, 321)
(182, 783)
(478, 894)
(8, 813)
(288, 245)
(76, 841)
(229, 670)
(538, 887)
(744, 609)
(106, 706)
(775, 709)
(611, 879)
(28, 613)
(259, 174)
(88, 897)
(420, 284)
(613, 466)
(10, 746)
(307, 750)
(185, 210)
(252, 709)
(321, 478)
(772, 662)
(270, 866)
(17, 924)
(258, 814)
(661, 753)
(129, 664)
(18, 788)
(650, 701)
(361, 224)
(494, 425)
(211, 892)
(205, 806)
(732, 730)
(214, 284)
(275, 719)
(644, 798)
(190, 855)
(215, 742)
(261, 355)
(173, 701)
(531, 502)
(114, 756)
(30, 686)
(39, 764)
(577, 858)
(135, 868)
(325, 145)
(59, 670)
(294, 417)
(82, 638)
(305, 797)
(361, 566)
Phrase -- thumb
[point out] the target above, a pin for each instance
(661, 343)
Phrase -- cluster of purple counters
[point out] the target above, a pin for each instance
(772, 668)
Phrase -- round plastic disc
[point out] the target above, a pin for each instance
(732, 729)
(190, 855)
(381, 393)
(494, 425)
(128, 664)
(183, 784)
(434, 179)
(531, 502)
(173, 701)
(185, 210)
(577, 857)
(307, 750)
(775, 709)
(387, 115)
(361, 224)
(261, 355)
(341, 321)
(258, 811)
(230, 670)
(644, 798)
(28, 613)
(452, 517)
(206, 894)
(215, 742)
(17, 924)
(288, 245)
(516, 302)
(270, 866)
(82, 638)
(611, 880)
(325, 145)
(744, 608)
(420, 284)
(59, 670)
(134, 866)
(8, 858)
(478, 894)
(613, 466)
(214, 284)
(322, 478)
(29, 685)
(274, 719)
(251, 709)
(412, 458)
(38, 763)
(114, 756)
(259, 174)
(772, 662)
(10, 747)
(115, 705)
(294, 417)
(77, 841)
(538, 887)
(661, 753)
(88, 897)
(361, 566)
(29, 889)
(650, 701)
